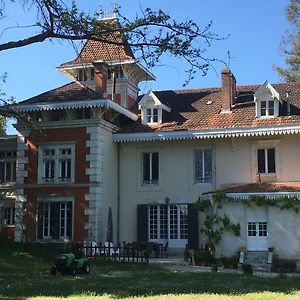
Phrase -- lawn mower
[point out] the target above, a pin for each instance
(71, 263)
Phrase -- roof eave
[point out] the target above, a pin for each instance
(75, 105)
(207, 133)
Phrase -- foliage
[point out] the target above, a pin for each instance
(25, 276)
(150, 35)
(204, 257)
(229, 262)
(215, 224)
(284, 266)
(290, 44)
(247, 269)
(281, 202)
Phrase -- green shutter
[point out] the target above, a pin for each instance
(193, 227)
(142, 223)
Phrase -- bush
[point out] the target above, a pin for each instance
(284, 266)
(247, 269)
(204, 258)
(229, 262)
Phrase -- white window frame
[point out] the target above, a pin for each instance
(46, 230)
(166, 222)
(152, 115)
(9, 163)
(266, 160)
(203, 178)
(268, 113)
(8, 216)
(57, 158)
(151, 181)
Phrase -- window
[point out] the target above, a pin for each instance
(203, 166)
(86, 74)
(7, 166)
(152, 115)
(55, 220)
(259, 229)
(9, 216)
(266, 160)
(267, 108)
(150, 168)
(57, 163)
(168, 222)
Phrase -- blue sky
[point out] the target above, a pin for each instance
(254, 27)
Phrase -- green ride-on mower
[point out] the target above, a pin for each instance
(71, 263)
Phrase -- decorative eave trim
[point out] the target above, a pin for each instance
(268, 195)
(266, 86)
(157, 102)
(246, 196)
(206, 134)
(70, 66)
(74, 105)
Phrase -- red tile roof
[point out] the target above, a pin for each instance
(115, 49)
(199, 109)
(74, 91)
(265, 188)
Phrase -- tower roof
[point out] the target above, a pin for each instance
(110, 46)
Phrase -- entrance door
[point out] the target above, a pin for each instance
(257, 236)
(168, 223)
(257, 229)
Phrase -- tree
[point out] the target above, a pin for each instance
(290, 44)
(150, 36)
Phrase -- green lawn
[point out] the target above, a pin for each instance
(25, 276)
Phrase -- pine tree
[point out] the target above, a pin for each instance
(290, 44)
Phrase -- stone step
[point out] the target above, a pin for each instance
(258, 260)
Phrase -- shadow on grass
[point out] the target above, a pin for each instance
(26, 275)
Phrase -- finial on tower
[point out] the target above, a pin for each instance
(108, 14)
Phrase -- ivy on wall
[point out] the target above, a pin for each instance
(216, 224)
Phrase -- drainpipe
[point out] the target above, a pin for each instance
(118, 192)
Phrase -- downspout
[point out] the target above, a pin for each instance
(118, 192)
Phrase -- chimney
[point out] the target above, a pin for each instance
(228, 90)
(101, 78)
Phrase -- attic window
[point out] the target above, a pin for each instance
(267, 101)
(267, 108)
(152, 115)
(152, 109)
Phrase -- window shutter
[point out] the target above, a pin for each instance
(40, 220)
(193, 226)
(142, 223)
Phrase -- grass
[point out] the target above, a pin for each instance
(26, 276)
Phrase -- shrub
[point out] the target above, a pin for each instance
(204, 258)
(229, 262)
(284, 266)
(247, 269)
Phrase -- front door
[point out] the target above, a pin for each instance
(257, 229)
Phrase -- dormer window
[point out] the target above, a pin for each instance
(267, 108)
(266, 101)
(152, 115)
(152, 109)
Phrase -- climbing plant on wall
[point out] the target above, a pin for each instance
(216, 223)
